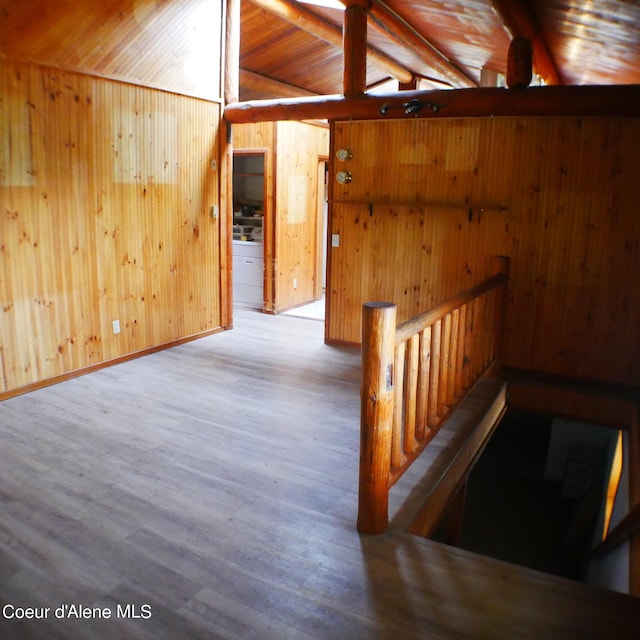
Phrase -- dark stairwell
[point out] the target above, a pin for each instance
(514, 514)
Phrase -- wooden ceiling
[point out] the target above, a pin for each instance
(443, 43)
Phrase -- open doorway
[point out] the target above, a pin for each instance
(316, 309)
(248, 228)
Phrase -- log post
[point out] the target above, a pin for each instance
(376, 396)
(232, 53)
(519, 63)
(354, 44)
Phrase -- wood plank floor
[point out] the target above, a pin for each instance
(216, 482)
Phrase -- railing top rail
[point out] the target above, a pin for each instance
(416, 324)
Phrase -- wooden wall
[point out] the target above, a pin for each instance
(106, 187)
(299, 148)
(172, 45)
(292, 223)
(431, 201)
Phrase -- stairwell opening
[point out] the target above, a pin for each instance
(535, 496)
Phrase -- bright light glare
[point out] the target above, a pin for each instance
(329, 4)
(612, 486)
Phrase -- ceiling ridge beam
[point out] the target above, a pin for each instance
(519, 21)
(392, 24)
(317, 26)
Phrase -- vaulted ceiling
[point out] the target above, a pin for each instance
(284, 51)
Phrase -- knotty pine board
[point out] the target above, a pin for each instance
(558, 195)
(106, 216)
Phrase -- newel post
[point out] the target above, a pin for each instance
(376, 414)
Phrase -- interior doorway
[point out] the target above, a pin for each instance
(248, 228)
(316, 310)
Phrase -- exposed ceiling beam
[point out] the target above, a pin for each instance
(264, 84)
(620, 100)
(391, 24)
(317, 26)
(520, 21)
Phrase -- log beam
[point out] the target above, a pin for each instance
(520, 22)
(587, 100)
(263, 84)
(312, 23)
(392, 25)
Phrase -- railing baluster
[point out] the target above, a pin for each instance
(502, 266)
(410, 393)
(476, 347)
(423, 383)
(413, 376)
(462, 333)
(445, 350)
(453, 358)
(398, 408)
(468, 345)
(481, 335)
(433, 419)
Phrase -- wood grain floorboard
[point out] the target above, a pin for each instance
(217, 483)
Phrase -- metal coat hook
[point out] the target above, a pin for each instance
(412, 107)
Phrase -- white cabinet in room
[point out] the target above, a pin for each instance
(248, 274)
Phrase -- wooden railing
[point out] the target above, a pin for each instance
(413, 375)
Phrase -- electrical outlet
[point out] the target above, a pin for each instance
(295, 283)
(214, 211)
(335, 240)
(116, 326)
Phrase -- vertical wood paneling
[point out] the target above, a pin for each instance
(555, 194)
(299, 146)
(113, 223)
